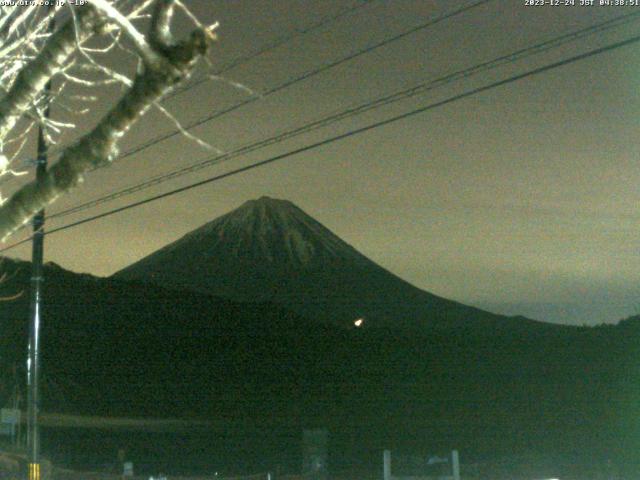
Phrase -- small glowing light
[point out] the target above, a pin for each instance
(359, 322)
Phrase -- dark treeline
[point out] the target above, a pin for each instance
(122, 349)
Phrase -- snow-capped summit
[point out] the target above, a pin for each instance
(270, 250)
(271, 231)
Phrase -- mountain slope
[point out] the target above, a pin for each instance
(270, 250)
(99, 334)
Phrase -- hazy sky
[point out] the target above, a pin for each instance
(520, 200)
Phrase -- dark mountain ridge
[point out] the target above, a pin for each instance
(100, 333)
(131, 349)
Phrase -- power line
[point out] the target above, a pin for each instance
(357, 110)
(288, 83)
(311, 73)
(300, 78)
(272, 46)
(327, 141)
(322, 22)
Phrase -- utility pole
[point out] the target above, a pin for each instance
(37, 278)
(33, 362)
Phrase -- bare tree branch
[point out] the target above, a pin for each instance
(170, 64)
(160, 31)
(32, 79)
(148, 54)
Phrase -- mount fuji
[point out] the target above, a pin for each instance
(271, 250)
